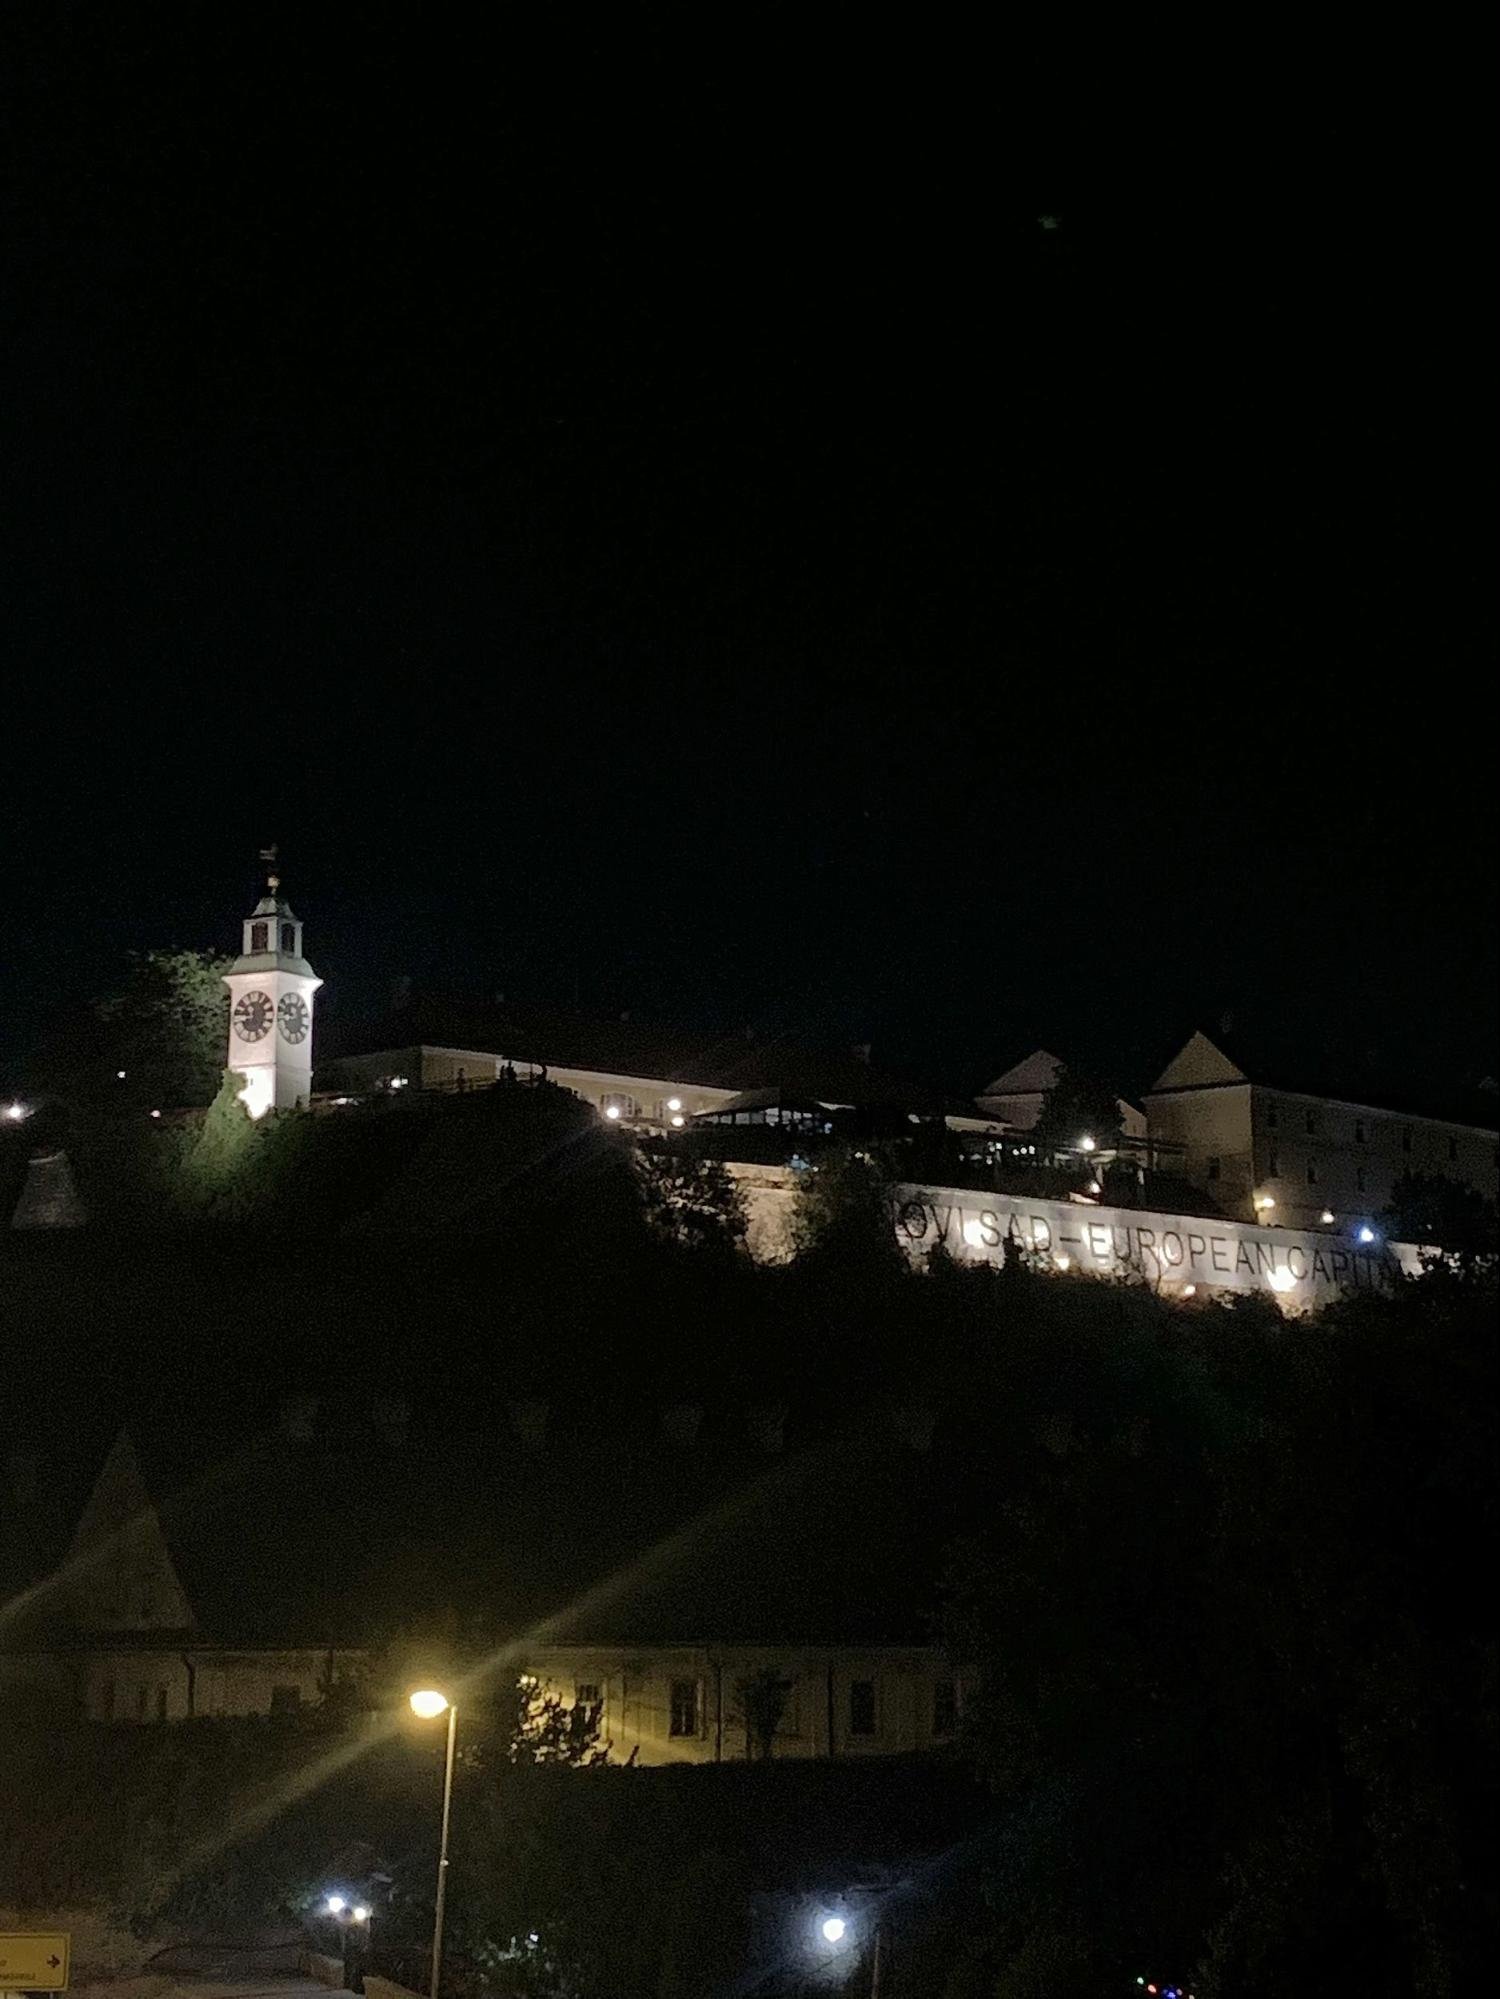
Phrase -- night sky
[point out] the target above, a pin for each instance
(941, 544)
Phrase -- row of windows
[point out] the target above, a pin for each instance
(144, 1703)
(1361, 1130)
(685, 1717)
(1273, 1172)
(260, 937)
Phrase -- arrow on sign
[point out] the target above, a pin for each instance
(54, 1962)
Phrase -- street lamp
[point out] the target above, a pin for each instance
(428, 1703)
(833, 1929)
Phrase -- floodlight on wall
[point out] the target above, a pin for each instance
(1281, 1280)
(674, 1103)
(259, 1092)
(1326, 1217)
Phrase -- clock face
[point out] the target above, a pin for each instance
(293, 1016)
(252, 1016)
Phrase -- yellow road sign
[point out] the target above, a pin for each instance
(34, 1960)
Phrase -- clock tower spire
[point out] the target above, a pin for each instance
(271, 987)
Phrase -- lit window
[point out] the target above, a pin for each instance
(684, 1712)
(861, 1707)
(260, 934)
(945, 1708)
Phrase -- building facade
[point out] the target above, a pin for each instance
(1278, 1155)
(271, 993)
(117, 1636)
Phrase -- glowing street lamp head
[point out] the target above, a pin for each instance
(15, 1112)
(674, 1103)
(1366, 1233)
(335, 1905)
(1326, 1217)
(612, 1112)
(429, 1703)
(833, 1928)
(1086, 1144)
(360, 1913)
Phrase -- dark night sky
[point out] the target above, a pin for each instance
(660, 520)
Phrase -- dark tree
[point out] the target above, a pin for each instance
(1078, 1106)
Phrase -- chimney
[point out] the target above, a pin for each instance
(49, 1199)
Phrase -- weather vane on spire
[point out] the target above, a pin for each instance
(273, 879)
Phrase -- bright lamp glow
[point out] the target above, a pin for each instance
(1062, 1260)
(674, 1103)
(611, 1110)
(15, 1111)
(360, 1913)
(833, 1929)
(428, 1703)
(974, 1234)
(1326, 1216)
(259, 1092)
(1265, 1202)
(1086, 1144)
(1366, 1233)
(1189, 1290)
(679, 1120)
(1281, 1280)
(335, 1905)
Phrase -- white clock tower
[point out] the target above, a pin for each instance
(271, 987)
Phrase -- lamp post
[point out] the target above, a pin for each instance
(429, 1704)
